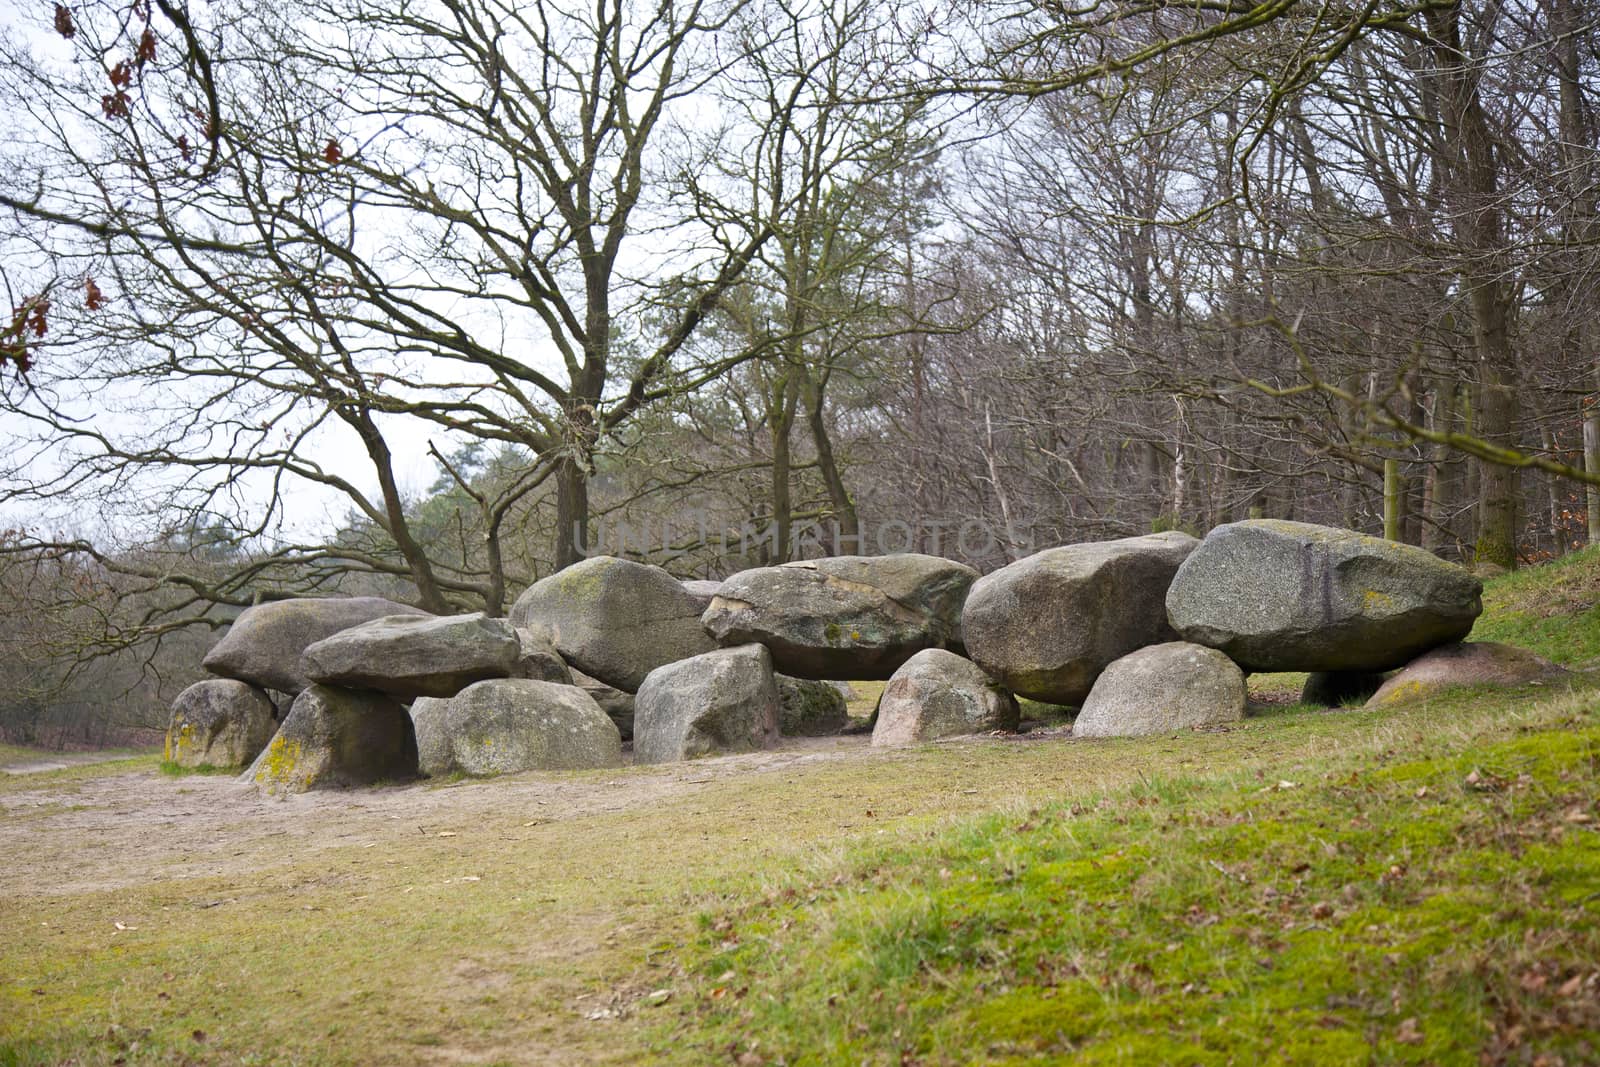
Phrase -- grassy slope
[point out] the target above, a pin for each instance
(1424, 891)
(1436, 901)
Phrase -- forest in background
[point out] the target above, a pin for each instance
(717, 285)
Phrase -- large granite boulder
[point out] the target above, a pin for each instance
(507, 725)
(844, 616)
(219, 723)
(722, 701)
(538, 659)
(1162, 689)
(264, 644)
(335, 738)
(1468, 663)
(1290, 596)
(614, 619)
(410, 656)
(1046, 626)
(809, 708)
(937, 693)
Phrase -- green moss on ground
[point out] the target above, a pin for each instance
(1421, 911)
(1553, 609)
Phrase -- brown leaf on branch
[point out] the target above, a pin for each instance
(30, 317)
(331, 153)
(93, 298)
(147, 47)
(64, 24)
(122, 75)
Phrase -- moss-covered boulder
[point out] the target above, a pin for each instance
(516, 724)
(265, 643)
(1291, 596)
(410, 656)
(614, 619)
(335, 738)
(1468, 663)
(219, 723)
(844, 616)
(1047, 625)
(937, 693)
(810, 708)
(1163, 688)
(722, 701)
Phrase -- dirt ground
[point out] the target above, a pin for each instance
(116, 830)
(60, 762)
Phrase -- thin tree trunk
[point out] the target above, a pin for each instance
(786, 397)
(1394, 501)
(1591, 464)
(429, 597)
(1437, 482)
(844, 508)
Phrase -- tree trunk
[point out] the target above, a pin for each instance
(1473, 191)
(572, 512)
(1394, 501)
(429, 597)
(845, 519)
(1437, 482)
(1591, 464)
(785, 396)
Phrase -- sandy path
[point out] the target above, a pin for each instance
(61, 762)
(115, 830)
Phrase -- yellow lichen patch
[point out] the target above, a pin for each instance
(179, 743)
(1406, 692)
(281, 765)
(1374, 599)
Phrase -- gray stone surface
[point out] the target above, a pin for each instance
(722, 701)
(614, 619)
(410, 656)
(264, 644)
(1290, 596)
(1467, 663)
(220, 723)
(335, 738)
(538, 659)
(1046, 626)
(937, 693)
(703, 591)
(809, 708)
(844, 616)
(616, 703)
(1161, 689)
(503, 726)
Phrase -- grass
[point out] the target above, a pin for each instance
(1311, 886)
(1553, 609)
(1391, 910)
(174, 769)
(19, 753)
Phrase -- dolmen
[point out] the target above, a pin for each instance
(1148, 634)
